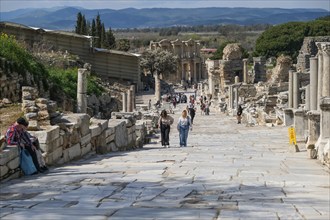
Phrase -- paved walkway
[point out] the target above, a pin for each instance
(228, 171)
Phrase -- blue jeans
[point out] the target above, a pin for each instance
(183, 130)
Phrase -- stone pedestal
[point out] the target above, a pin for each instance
(124, 96)
(313, 83)
(313, 129)
(322, 152)
(288, 116)
(300, 125)
(82, 91)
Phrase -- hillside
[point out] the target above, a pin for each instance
(64, 18)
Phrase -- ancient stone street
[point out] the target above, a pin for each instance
(228, 171)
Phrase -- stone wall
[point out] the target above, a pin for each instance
(76, 135)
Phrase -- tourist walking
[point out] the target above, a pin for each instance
(192, 112)
(184, 125)
(239, 114)
(164, 123)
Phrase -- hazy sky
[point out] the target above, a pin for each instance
(9, 5)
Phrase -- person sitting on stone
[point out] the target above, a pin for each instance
(33, 141)
(15, 136)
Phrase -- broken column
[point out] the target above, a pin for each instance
(82, 90)
(288, 117)
(299, 124)
(157, 88)
(236, 79)
(326, 68)
(132, 88)
(124, 95)
(245, 71)
(129, 100)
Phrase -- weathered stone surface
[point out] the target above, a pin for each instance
(8, 154)
(280, 73)
(74, 151)
(13, 164)
(48, 135)
(3, 170)
(121, 136)
(52, 145)
(232, 52)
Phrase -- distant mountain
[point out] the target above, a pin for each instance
(64, 18)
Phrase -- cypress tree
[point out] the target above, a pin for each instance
(78, 23)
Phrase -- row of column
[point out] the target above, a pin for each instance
(315, 118)
(128, 99)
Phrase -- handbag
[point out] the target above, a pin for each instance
(26, 162)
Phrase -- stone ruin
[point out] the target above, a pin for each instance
(69, 136)
(290, 94)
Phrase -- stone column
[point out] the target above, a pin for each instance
(132, 88)
(124, 96)
(231, 97)
(157, 88)
(129, 100)
(296, 94)
(82, 90)
(245, 71)
(236, 98)
(236, 79)
(195, 73)
(319, 74)
(307, 98)
(211, 82)
(290, 98)
(324, 128)
(326, 69)
(313, 83)
(313, 130)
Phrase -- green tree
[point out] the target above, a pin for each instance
(83, 29)
(110, 38)
(98, 31)
(123, 44)
(159, 61)
(288, 38)
(78, 23)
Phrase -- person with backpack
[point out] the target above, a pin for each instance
(183, 126)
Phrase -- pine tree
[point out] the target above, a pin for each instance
(111, 40)
(83, 29)
(98, 31)
(78, 23)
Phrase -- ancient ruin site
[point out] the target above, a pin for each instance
(104, 154)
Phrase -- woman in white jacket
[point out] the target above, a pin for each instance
(184, 125)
